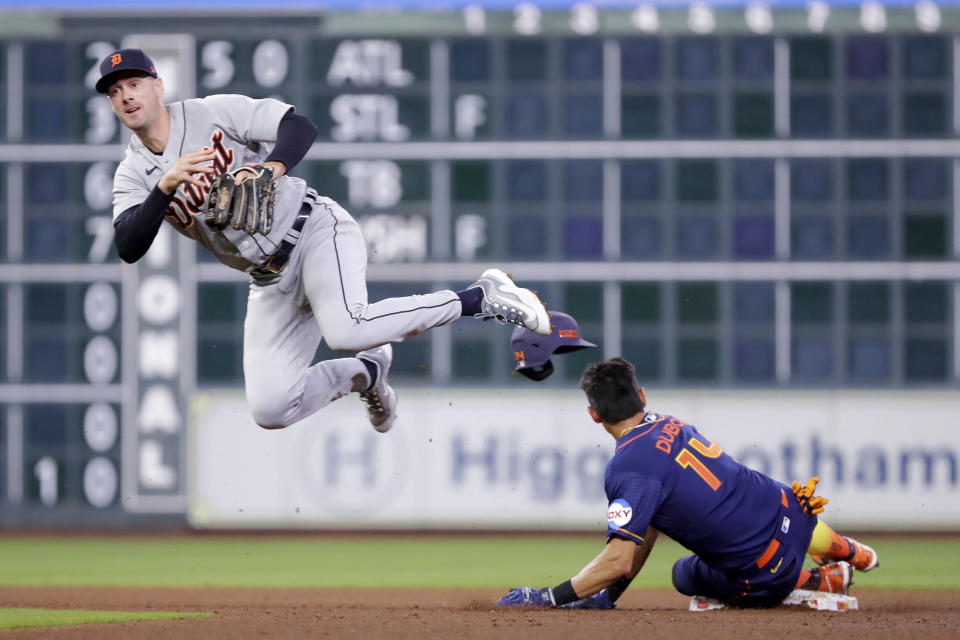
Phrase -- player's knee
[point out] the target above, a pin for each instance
(274, 399)
(346, 342)
(270, 413)
(269, 419)
(270, 426)
(347, 349)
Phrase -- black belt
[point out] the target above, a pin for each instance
(278, 260)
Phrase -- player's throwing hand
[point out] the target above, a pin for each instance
(185, 169)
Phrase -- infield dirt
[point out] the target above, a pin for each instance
(467, 614)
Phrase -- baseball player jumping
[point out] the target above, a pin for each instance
(215, 168)
(749, 534)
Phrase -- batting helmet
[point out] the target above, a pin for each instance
(531, 352)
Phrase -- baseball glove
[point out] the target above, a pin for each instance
(248, 205)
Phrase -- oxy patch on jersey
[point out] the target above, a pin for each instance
(182, 208)
(619, 513)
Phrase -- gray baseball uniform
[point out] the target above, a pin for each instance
(322, 291)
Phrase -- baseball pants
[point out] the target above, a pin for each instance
(281, 335)
(763, 582)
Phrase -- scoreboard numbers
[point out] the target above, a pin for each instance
(928, 16)
(271, 63)
(47, 475)
(527, 19)
(817, 15)
(100, 482)
(217, 61)
(700, 18)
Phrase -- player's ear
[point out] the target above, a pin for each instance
(643, 396)
(159, 83)
(593, 414)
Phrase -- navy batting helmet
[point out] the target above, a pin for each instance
(531, 352)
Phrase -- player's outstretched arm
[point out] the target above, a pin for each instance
(586, 589)
(640, 555)
(597, 586)
(611, 564)
(608, 596)
(642, 552)
(135, 228)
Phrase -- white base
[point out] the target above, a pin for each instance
(819, 600)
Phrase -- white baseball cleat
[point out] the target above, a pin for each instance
(380, 398)
(506, 302)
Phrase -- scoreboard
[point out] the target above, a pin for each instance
(732, 195)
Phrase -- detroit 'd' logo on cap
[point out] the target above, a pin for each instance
(619, 513)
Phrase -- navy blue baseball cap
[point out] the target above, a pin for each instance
(124, 60)
(531, 351)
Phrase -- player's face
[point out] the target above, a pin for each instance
(137, 101)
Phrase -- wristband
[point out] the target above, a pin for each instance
(563, 593)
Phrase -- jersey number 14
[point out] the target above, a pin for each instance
(687, 459)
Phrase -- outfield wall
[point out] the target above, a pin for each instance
(477, 459)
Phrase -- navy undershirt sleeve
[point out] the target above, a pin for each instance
(295, 135)
(135, 228)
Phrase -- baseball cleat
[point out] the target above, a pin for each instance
(380, 398)
(861, 558)
(506, 302)
(835, 577)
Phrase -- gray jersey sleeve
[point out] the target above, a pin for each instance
(246, 119)
(129, 188)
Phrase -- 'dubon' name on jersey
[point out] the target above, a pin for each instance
(241, 131)
(665, 473)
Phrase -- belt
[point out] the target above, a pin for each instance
(278, 260)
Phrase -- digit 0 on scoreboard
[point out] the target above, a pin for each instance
(71, 456)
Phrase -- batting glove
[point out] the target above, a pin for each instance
(528, 597)
(597, 601)
(810, 503)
